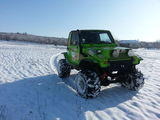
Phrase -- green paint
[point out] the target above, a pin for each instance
(101, 53)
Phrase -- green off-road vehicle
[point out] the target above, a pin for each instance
(100, 62)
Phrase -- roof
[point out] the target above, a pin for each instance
(91, 30)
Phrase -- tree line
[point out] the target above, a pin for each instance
(32, 38)
(140, 44)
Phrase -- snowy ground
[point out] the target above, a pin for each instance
(31, 90)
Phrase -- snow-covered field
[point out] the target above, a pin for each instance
(31, 90)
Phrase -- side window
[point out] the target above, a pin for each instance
(104, 37)
(74, 38)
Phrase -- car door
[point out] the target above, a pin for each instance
(73, 47)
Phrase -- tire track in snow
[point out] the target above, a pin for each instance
(80, 102)
(53, 63)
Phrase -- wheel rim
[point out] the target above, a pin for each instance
(81, 85)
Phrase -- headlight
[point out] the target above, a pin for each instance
(131, 53)
(115, 53)
(99, 51)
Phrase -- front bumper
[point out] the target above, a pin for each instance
(120, 65)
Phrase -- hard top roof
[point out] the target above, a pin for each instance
(91, 30)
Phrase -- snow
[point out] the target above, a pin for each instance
(31, 90)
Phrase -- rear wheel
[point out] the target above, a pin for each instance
(87, 84)
(133, 80)
(64, 68)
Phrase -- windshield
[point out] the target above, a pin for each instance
(96, 37)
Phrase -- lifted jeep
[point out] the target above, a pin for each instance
(100, 62)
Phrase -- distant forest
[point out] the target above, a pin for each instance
(32, 38)
(149, 45)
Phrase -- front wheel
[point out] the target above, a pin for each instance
(87, 84)
(133, 80)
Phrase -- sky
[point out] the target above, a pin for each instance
(126, 19)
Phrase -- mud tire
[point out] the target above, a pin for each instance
(133, 81)
(87, 84)
(64, 69)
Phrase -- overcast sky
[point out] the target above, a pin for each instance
(126, 19)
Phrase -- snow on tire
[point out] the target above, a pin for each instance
(87, 84)
(134, 80)
(63, 68)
